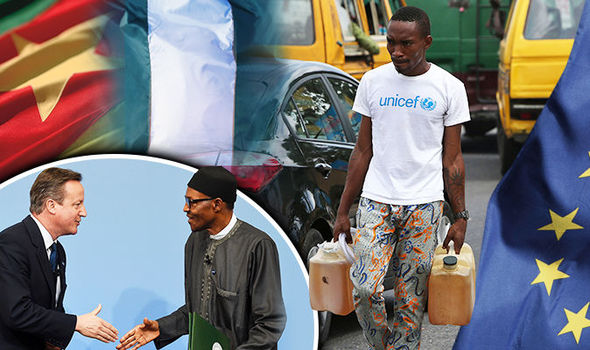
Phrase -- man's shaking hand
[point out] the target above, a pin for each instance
(140, 335)
(92, 326)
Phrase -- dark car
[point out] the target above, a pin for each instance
(294, 132)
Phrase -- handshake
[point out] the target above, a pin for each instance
(92, 326)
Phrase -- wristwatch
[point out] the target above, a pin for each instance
(462, 215)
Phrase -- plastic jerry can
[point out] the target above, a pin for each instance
(465, 256)
(330, 288)
(451, 286)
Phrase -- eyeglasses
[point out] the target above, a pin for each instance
(190, 202)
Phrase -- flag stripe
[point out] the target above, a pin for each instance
(56, 82)
(134, 80)
(56, 19)
(26, 141)
(192, 76)
(17, 12)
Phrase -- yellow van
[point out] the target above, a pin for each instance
(538, 38)
(329, 30)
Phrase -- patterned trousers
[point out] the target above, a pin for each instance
(404, 236)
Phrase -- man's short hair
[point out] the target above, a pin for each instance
(413, 14)
(50, 184)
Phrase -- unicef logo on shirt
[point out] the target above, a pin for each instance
(397, 101)
(428, 104)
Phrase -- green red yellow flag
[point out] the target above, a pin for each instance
(56, 80)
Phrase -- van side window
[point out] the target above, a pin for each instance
(376, 17)
(553, 19)
(348, 14)
(346, 92)
(321, 121)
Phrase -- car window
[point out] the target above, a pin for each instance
(293, 118)
(553, 19)
(319, 116)
(346, 92)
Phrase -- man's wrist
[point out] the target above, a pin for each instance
(464, 214)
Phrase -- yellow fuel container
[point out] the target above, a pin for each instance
(330, 288)
(451, 286)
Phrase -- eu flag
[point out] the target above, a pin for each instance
(533, 287)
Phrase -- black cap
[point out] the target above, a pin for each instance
(450, 260)
(215, 182)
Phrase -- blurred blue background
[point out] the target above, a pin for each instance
(128, 253)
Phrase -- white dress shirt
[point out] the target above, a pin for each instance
(48, 241)
(226, 229)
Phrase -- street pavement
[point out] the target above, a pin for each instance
(482, 166)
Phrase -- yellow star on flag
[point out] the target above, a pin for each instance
(560, 224)
(48, 66)
(587, 172)
(548, 274)
(576, 322)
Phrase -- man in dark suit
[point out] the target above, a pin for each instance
(32, 270)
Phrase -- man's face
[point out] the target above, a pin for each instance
(69, 213)
(200, 214)
(407, 47)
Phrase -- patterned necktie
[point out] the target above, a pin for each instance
(53, 257)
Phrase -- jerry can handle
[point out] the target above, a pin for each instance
(348, 254)
(443, 229)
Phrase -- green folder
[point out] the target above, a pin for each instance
(203, 336)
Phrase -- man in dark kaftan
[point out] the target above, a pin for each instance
(232, 277)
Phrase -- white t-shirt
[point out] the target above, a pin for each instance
(408, 115)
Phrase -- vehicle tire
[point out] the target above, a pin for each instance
(507, 149)
(309, 248)
(311, 239)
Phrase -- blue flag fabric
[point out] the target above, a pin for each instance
(533, 287)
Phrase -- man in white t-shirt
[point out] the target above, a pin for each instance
(408, 151)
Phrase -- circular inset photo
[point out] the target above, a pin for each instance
(149, 239)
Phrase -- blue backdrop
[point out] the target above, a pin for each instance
(128, 252)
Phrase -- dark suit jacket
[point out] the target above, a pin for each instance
(28, 315)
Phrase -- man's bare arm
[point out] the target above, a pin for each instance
(454, 180)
